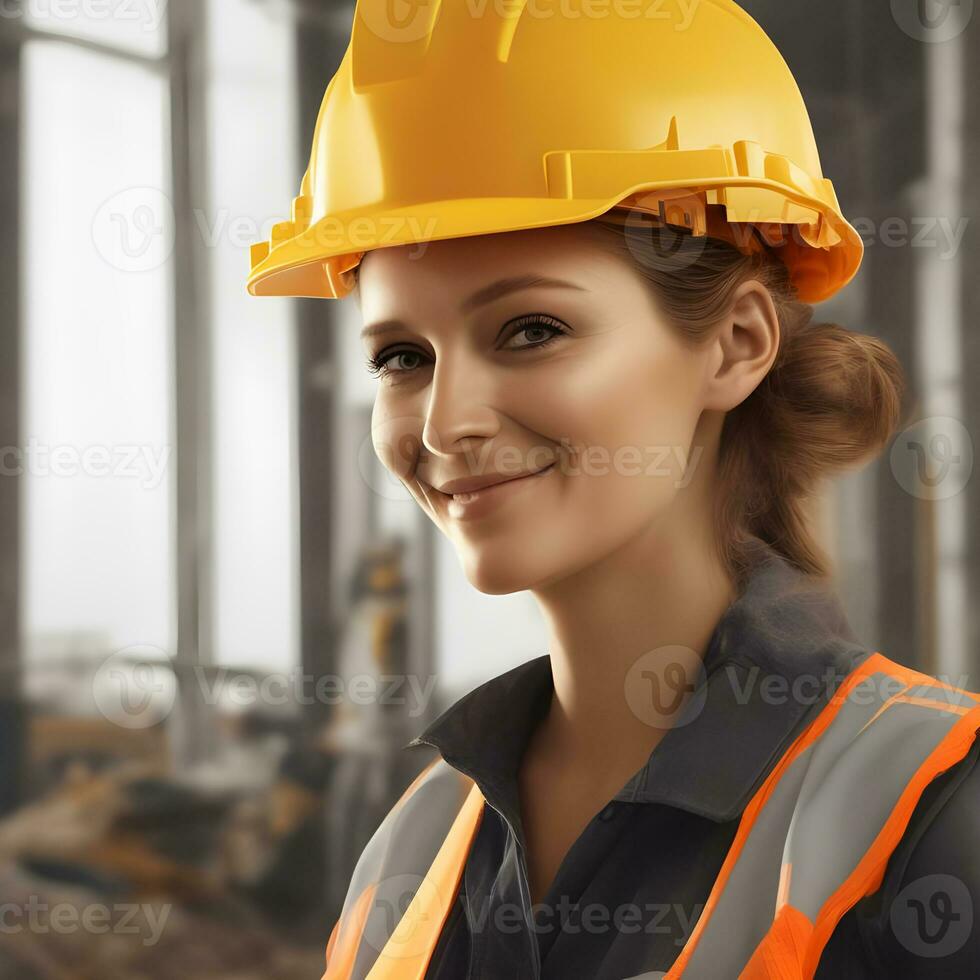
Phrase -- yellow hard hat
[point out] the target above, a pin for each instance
(471, 117)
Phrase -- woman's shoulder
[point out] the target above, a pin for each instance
(921, 922)
(431, 800)
(393, 863)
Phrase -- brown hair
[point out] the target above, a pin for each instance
(831, 399)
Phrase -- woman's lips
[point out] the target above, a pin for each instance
(477, 503)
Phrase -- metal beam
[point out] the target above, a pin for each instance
(12, 715)
(187, 20)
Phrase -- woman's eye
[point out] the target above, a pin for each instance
(403, 360)
(538, 330)
(382, 364)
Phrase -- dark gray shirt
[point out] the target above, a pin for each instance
(632, 886)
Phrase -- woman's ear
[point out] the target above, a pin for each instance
(744, 348)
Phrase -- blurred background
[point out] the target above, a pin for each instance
(211, 594)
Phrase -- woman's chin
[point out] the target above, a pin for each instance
(498, 574)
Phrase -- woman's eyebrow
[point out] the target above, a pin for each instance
(502, 287)
(484, 295)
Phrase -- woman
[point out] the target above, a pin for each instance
(585, 275)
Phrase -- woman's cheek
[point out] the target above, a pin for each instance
(397, 440)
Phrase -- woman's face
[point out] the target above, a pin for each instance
(490, 374)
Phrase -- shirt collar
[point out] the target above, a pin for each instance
(773, 661)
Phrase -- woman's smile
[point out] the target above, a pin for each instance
(469, 505)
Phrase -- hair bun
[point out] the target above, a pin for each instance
(838, 393)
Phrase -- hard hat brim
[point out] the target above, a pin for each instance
(315, 263)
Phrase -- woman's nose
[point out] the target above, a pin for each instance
(460, 406)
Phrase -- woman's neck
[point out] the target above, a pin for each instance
(627, 637)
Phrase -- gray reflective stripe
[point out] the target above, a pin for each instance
(953, 696)
(823, 814)
(746, 907)
(889, 753)
(397, 857)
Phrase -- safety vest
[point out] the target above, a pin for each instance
(859, 767)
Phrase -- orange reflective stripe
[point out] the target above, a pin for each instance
(792, 948)
(344, 942)
(332, 941)
(755, 805)
(345, 937)
(867, 876)
(778, 958)
(407, 953)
